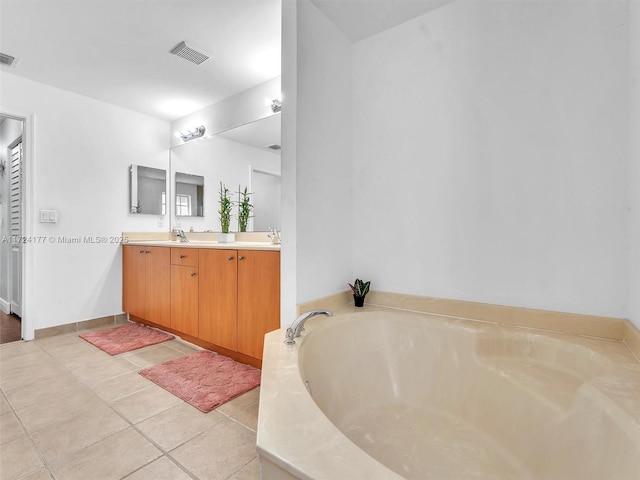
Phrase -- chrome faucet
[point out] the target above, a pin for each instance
(274, 235)
(298, 325)
(181, 235)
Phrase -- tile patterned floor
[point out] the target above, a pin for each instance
(70, 411)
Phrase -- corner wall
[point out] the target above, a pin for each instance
(491, 155)
(634, 162)
(323, 168)
(83, 149)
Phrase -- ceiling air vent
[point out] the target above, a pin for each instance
(6, 60)
(189, 53)
(275, 146)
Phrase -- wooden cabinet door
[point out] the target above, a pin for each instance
(218, 297)
(158, 286)
(134, 280)
(184, 299)
(258, 299)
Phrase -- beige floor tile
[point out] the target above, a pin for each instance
(47, 389)
(18, 458)
(10, 428)
(4, 405)
(120, 386)
(178, 424)
(248, 416)
(42, 474)
(145, 403)
(57, 443)
(91, 373)
(112, 458)
(219, 452)
(13, 349)
(29, 371)
(76, 356)
(180, 346)
(160, 469)
(240, 403)
(49, 411)
(250, 471)
(153, 355)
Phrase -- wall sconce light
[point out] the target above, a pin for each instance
(276, 105)
(192, 133)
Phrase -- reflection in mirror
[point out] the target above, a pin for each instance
(266, 200)
(232, 157)
(189, 195)
(147, 190)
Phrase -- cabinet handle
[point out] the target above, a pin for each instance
(183, 256)
(193, 274)
(230, 257)
(147, 251)
(240, 257)
(142, 251)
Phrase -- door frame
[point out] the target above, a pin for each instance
(28, 221)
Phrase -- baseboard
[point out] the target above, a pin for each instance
(81, 325)
(5, 307)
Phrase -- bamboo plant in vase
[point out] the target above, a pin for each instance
(225, 216)
(244, 209)
(360, 290)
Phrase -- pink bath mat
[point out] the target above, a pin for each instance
(125, 338)
(204, 379)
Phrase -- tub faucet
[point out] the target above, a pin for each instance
(297, 326)
(181, 235)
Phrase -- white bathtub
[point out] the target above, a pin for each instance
(389, 395)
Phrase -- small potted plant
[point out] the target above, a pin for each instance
(360, 290)
(244, 209)
(225, 215)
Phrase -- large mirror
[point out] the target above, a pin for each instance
(189, 195)
(147, 190)
(245, 156)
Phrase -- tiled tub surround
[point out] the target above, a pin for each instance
(406, 395)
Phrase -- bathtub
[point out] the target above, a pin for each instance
(392, 395)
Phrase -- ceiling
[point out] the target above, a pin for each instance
(359, 19)
(118, 50)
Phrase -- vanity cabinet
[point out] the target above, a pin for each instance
(222, 299)
(239, 298)
(184, 290)
(258, 299)
(219, 297)
(146, 284)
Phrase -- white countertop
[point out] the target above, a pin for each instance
(208, 244)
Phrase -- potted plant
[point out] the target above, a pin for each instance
(360, 290)
(225, 215)
(244, 209)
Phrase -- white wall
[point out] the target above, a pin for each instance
(83, 149)
(323, 156)
(10, 130)
(634, 162)
(490, 155)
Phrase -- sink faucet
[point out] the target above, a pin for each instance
(297, 326)
(181, 235)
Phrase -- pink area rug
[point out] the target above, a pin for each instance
(204, 379)
(125, 338)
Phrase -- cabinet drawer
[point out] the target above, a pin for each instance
(184, 256)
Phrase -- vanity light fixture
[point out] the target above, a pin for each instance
(192, 133)
(276, 105)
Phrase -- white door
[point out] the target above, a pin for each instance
(15, 217)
